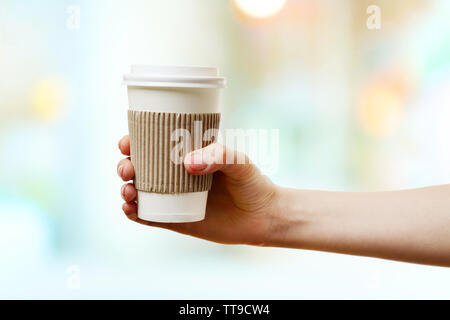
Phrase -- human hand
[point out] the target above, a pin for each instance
(242, 203)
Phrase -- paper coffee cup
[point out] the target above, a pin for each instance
(165, 101)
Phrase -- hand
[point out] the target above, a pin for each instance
(242, 203)
(245, 207)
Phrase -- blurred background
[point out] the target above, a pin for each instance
(358, 109)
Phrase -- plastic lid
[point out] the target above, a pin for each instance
(173, 76)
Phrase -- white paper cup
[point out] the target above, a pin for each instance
(173, 90)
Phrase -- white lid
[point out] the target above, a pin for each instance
(173, 76)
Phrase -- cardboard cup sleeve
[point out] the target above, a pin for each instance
(153, 139)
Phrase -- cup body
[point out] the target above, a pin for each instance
(181, 90)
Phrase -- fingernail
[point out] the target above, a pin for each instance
(198, 167)
(120, 171)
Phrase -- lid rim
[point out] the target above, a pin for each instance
(173, 85)
(173, 76)
(165, 81)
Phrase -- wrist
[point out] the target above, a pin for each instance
(290, 219)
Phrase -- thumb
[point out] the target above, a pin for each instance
(216, 157)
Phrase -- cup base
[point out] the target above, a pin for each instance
(172, 208)
(173, 218)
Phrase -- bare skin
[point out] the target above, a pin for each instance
(245, 207)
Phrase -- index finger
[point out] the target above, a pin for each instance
(124, 145)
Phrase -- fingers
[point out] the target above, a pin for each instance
(129, 195)
(130, 209)
(125, 169)
(124, 145)
(216, 157)
(128, 192)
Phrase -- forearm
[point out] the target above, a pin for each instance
(410, 225)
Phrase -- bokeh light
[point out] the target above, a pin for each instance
(48, 97)
(382, 102)
(380, 111)
(260, 8)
